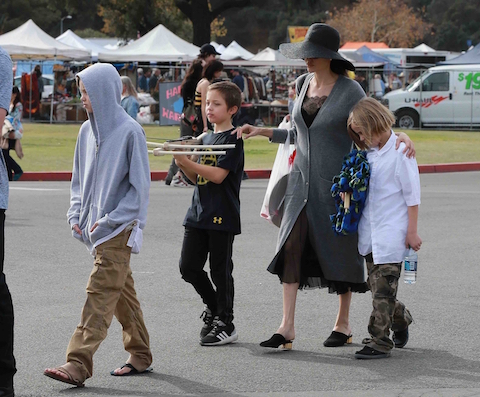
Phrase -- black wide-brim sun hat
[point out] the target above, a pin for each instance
(321, 41)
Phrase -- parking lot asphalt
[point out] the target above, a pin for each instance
(47, 271)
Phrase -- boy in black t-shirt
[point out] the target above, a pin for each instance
(213, 218)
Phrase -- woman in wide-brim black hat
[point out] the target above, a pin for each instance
(308, 253)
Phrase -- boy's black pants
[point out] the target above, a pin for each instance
(7, 361)
(197, 245)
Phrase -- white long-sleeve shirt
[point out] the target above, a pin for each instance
(394, 186)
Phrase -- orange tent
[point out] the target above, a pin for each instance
(355, 45)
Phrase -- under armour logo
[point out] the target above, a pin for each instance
(217, 220)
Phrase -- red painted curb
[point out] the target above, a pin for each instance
(47, 176)
(452, 167)
(253, 174)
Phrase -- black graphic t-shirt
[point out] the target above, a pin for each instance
(217, 206)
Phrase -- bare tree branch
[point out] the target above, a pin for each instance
(185, 6)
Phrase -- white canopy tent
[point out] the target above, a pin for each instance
(424, 48)
(158, 45)
(110, 43)
(269, 56)
(235, 51)
(73, 40)
(28, 41)
(265, 59)
(218, 47)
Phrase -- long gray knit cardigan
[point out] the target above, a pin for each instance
(320, 151)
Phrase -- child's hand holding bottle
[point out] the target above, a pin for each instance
(413, 240)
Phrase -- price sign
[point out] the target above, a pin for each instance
(472, 80)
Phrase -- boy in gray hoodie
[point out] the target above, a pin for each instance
(108, 210)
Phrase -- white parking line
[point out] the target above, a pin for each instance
(33, 188)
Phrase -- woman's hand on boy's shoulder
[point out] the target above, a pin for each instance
(409, 150)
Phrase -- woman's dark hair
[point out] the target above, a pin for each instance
(211, 68)
(194, 73)
(16, 91)
(338, 67)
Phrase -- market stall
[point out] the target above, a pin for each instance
(29, 42)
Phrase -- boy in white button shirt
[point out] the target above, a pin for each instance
(388, 225)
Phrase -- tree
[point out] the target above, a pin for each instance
(388, 21)
(203, 12)
(268, 20)
(47, 14)
(88, 33)
(455, 22)
(128, 18)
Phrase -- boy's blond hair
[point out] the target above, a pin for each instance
(229, 92)
(370, 118)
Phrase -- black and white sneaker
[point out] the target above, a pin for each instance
(208, 320)
(221, 334)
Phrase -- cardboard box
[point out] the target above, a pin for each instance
(72, 114)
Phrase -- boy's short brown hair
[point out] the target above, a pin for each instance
(229, 92)
(371, 118)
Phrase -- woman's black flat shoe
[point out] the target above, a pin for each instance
(337, 339)
(276, 341)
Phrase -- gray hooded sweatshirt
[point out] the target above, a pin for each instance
(111, 173)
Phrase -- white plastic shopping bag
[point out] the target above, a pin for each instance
(272, 208)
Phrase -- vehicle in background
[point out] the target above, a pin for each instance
(447, 96)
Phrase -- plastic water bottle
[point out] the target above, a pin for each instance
(410, 271)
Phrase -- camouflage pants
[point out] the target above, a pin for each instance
(388, 313)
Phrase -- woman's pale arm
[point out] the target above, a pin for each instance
(409, 146)
(247, 131)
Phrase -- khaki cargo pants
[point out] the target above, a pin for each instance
(388, 312)
(110, 291)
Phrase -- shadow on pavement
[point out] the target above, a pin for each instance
(414, 363)
(187, 386)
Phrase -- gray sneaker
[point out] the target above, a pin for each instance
(179, 181)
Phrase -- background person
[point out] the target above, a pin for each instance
(38, 71)
(237, 78)
(360, 78)
(189, 83)
(129, 100)
(142, 81)
(395, 82)
(13, 140)
(207, 53)
(211, 71)
(7, 360)
(308, 253)
(153, 83)
(378, 87)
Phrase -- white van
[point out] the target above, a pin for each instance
(442, 96)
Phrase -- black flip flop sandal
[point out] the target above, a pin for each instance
(133, 371)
